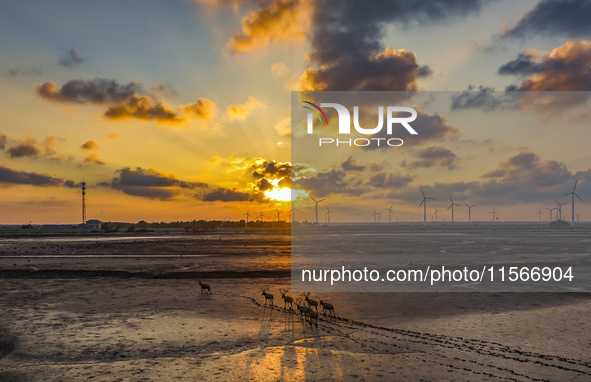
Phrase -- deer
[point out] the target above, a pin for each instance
(311, 303)
(268, 296)
(304, 310)
(312, 315)
(286, 299)
(205, 288)
(326, 306)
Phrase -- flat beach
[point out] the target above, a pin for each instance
(130, 309)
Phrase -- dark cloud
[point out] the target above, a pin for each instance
(564, 69)
(528, 168)
(99, 91)
(264, 185)
(71, 184)
(351, 164)
(524, 64)
(10, 177)
(24, 71)
(387, 180)
(227, 195)
(271, 170)
(483, 98)
(565, 18)
(346, 42)
(149, 183)
(433, 156)
(25, 149)
(428, 127)
(71, 58)
(3, 141)
(330, 182)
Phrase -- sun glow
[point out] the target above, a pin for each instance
(281, 194)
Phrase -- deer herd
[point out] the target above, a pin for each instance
(308, 311)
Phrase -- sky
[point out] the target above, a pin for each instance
(181, 110)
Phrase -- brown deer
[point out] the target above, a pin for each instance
(311, 303)
(304, 310)
(312, 315)
(268, 296)
(205, 288)
(286, 299)
(326, 306)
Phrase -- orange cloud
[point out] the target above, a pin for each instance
(278, 20)
(242, 111)
(89, 146)
(279, 69)
(144, 108)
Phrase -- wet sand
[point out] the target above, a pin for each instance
(155, 329)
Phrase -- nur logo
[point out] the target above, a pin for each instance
(392, 118)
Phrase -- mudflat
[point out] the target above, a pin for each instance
(131, 309)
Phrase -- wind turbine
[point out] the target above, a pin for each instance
(559, 205)
(374, 215)
(247, 216)
(452, 208)
(494, 212)
(540, 213)
(470, 212)
(436, 211)
(261, 216)
(550, 209)
(292, 212)
(424, 203)
(316, 208)
(328, 212)
(573, 193)
(278, 214)
(389, 213)
(379, 216)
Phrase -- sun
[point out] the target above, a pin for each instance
(281, 194)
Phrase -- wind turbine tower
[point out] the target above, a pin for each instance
(292, 211)
(435, 213)
(494, 212)
(247, 216)
(424, 203)
(328, 212)
(452, 208)
(470, 212)
(550, 209)
(540, 213)
(316, 207)
(389, 213)
(573, 193)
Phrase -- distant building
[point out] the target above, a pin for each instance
(91, 224)
(57, 226)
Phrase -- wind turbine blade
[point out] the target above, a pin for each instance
(422, 192)
(567, 194)
(422, 202)
(575, 187)
(467, 205)
(320, 200)
(449, 207)
(313, 199)
(579, 198)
